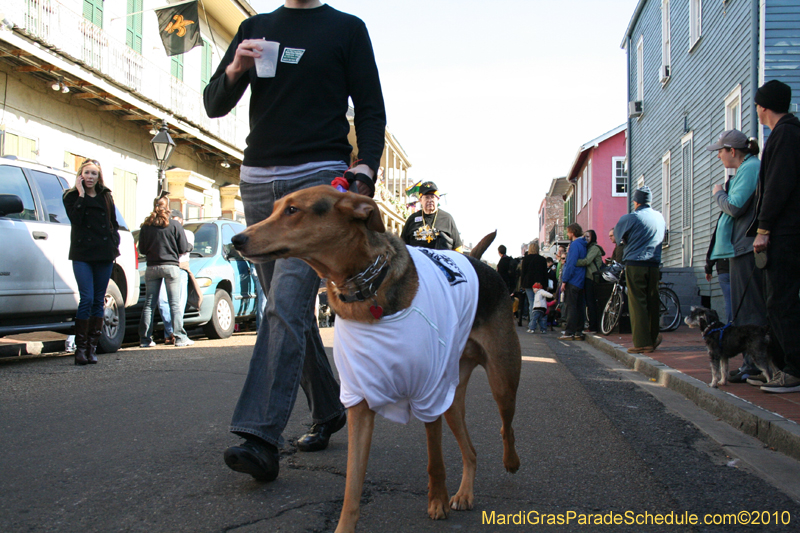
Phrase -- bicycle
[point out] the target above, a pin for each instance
(669, 315)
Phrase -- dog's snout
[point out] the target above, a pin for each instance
(239, 240)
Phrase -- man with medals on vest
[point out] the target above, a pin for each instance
(431, 227)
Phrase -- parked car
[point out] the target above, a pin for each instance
(225, 277)
(38, 291)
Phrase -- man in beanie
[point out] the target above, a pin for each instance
(777, 227)
(431, 227)
(642, 231)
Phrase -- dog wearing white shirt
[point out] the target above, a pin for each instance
(411, 326)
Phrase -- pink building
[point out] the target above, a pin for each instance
(599, 195)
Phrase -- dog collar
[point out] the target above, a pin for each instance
(364, 285)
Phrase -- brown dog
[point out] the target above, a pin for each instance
(371, 275)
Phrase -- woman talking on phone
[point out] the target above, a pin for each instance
(94, 244)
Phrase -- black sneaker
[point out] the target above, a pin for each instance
(259, 459)
(318, 436)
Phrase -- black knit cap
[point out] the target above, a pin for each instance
(774, 95)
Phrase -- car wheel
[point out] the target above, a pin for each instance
(113, 320)
(222, 321)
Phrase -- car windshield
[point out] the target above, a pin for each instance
(206, 237)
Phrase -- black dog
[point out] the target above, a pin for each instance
(727, 341)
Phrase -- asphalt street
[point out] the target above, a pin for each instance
(135, 444)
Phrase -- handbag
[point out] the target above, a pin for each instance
(194, 296)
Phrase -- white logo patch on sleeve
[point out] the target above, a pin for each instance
(292, 55)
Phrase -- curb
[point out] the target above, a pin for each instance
(770, 428)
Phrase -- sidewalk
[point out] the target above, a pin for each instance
(681, 363)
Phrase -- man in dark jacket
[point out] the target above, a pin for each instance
(503, 267)
(431, 227)
(572, 280)
(777, 227)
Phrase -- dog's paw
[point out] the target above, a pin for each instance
(462, 502)
(437, 509)
(511, 461)
(713, 384)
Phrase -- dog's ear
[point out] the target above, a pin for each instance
(712, 316)
(360, 207)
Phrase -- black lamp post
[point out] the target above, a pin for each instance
(163, 145)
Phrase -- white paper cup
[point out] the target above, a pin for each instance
(268, 62)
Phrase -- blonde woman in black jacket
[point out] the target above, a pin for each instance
(93, 247)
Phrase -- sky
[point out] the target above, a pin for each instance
(492, 100)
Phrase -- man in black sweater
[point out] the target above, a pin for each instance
(777, 227)
(431, 227)
(298, 139)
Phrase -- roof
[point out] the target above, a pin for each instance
(559, 187)
(580, 157)
(632, 23)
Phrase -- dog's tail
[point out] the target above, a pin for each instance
(482, 246)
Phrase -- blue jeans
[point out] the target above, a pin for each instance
(725, 284)
(92, 278)
(163, 302)
(288, 351)
(540, 318)
(530, 295)
(153, 276)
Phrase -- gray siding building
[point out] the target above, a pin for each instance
(693, 68)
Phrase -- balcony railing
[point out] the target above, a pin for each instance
(69, 34)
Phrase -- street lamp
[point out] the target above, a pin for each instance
(163, 145)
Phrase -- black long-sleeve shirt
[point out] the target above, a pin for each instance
(778, 193)
(163, 245)
(300, 115)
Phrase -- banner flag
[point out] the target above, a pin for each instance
(179, 28)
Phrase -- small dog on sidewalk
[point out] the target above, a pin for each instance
(727, 341)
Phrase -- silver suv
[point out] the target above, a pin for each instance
(38, 291)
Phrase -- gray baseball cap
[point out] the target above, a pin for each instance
(729, 139)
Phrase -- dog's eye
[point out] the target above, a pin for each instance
(290, 210)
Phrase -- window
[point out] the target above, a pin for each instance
(587, 183)
(578, 191)
(695, 21)
(193, 211)
(176, 66)
(665, 187)
(620, 177)
(133, 23)
(733, 109)
(93, 12)
(22, 147)
(640, 69)
(205, 65)
(125, 193)
(12, 181)
(686, 179)
(52, 191)
(665, 47)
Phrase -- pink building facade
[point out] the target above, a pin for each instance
(600, 184)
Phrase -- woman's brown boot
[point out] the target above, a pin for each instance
(95, 331)
(81, 341)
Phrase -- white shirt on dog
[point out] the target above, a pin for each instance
(407, 363)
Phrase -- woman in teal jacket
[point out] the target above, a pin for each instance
(738, 205)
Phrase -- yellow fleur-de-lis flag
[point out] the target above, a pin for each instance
(179, 28)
